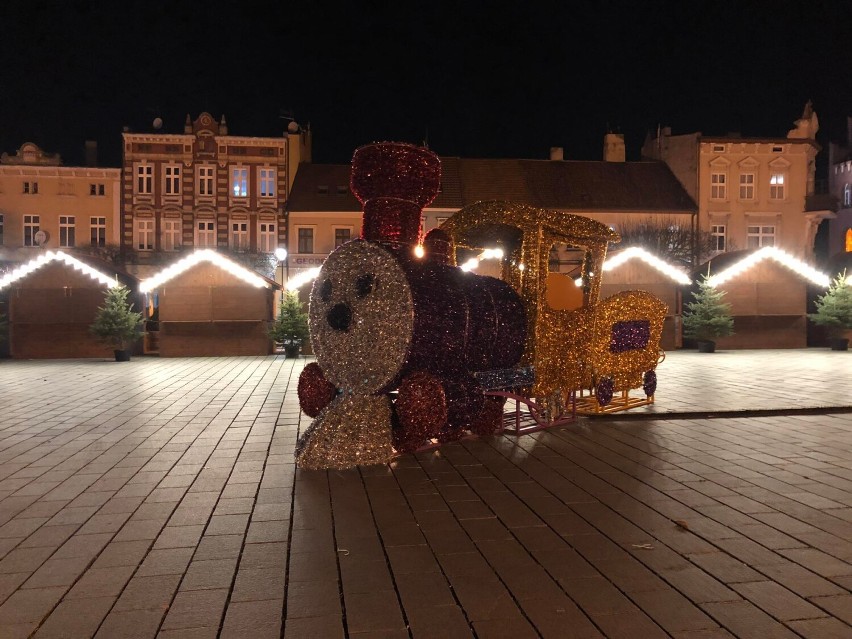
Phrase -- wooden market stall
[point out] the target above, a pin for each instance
(52, 300)
(767, 290)
(208, 305)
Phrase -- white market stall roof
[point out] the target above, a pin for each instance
(57, 256)
(770, 252)
(636, 253)
(204, 255)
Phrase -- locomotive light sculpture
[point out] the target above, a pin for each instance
(384, 322)
(412, 349)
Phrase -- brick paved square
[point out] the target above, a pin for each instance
(177, 511)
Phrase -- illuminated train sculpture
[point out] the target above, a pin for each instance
(407, 346)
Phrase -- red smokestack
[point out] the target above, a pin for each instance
(394, 182)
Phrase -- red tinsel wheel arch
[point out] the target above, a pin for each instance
(315, 391)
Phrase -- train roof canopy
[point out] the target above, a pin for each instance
(479, 222)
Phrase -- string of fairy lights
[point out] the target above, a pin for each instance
(295, 283)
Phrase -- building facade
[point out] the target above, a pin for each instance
(205, 188)
(750, 192)
(323, 213)
(840, 186)
(45, 205)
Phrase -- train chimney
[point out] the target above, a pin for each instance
(613, 147)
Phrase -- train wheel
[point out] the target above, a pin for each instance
(315, 391)
(490, 418)
(604, 390)
(421, 411)
(649, 383)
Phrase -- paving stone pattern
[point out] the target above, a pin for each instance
(159, 498)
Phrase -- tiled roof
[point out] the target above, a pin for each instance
(570, 186)
(605, 186)
(322, 187)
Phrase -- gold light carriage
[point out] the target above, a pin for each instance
(587, 353)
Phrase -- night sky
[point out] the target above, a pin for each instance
(476, 80)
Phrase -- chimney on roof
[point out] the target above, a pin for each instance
(613, 147)
(557, 153)
(90, 153)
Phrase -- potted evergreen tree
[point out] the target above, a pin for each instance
(834, 311)
(290, 328)
(117, 323)
(708, 317)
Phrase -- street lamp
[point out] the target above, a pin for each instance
(281, 256)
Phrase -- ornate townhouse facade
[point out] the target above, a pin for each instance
(840, 186)
(45, 205)
(750, 192)
(205, 188)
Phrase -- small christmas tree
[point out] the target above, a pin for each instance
(291, 326)
(834, 309)
(709, 316)
(116, 323)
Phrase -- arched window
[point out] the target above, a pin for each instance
(849, 240)
(847, 196)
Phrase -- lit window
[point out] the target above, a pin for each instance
(172, 177)
(848, 239)
(341, 236)
(31, 227)
(171, 235)
(97, 226)
(239, 235)
(144, 179)
(306, 240)
(847, 195)
(758, 236)
(267, 238)
(205, 180)
(718, 186)
(239, 182)
(776, 186)
(746, 186)
(718, 235)
(205, 234)
(267, 182)
(66, 231)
